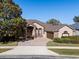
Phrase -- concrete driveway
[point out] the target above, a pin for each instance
(40, 41)
(34, 47)
(31, 47)
(30, 50)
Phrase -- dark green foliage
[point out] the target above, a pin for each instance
(69, 39)
(9, 10)
(61, 40)
(76, 19)
(12, 25)
(54, 22)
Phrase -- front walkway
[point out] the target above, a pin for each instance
(30, 50)
(40, 41)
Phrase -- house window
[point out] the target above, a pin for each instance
(65, 33)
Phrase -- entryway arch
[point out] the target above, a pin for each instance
(29, 31)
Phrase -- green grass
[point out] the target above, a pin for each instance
(8, 44)
(51, 43)
(66, 51)
(4, 49)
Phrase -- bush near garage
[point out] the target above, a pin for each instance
(69, 39)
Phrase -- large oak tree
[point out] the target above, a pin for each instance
(12, 25)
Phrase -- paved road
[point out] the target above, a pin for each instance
(40, 41)
(36, 57)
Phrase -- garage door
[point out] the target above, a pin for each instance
(50, 35)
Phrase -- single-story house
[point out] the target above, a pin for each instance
(37, 28)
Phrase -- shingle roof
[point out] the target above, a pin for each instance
(48, 27)
(31, 21)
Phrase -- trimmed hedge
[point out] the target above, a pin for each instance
(69, 39)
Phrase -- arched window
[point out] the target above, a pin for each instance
(65, 33)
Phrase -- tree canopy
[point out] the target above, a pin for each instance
(9, 10)
(53, 21)
(11, 22)
(76, 19)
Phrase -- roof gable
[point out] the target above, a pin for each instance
(35, 21)
(66, 26)
(56, 27)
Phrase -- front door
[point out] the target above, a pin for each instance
(29, 31)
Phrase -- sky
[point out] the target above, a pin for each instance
(43, 10)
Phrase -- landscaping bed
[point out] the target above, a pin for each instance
(66, 51)
(65, 41)
(4, 49)
(8, 44)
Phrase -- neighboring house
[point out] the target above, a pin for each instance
(39, 29)
(76, 27)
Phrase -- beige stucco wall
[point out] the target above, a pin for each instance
(45, 34)
(55, 34)
(33, 33)
(39, 26)
(65, 28)
(76, 33)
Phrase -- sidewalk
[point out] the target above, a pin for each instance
(62, 47)
(33, 50)
(54, 47)
(8, 46)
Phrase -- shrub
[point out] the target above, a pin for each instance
(62, 40)
(69, 39)
(57, 40)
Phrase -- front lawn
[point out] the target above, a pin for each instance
(66, 51)
(4, 49)
(51, 43)
(9, 44)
